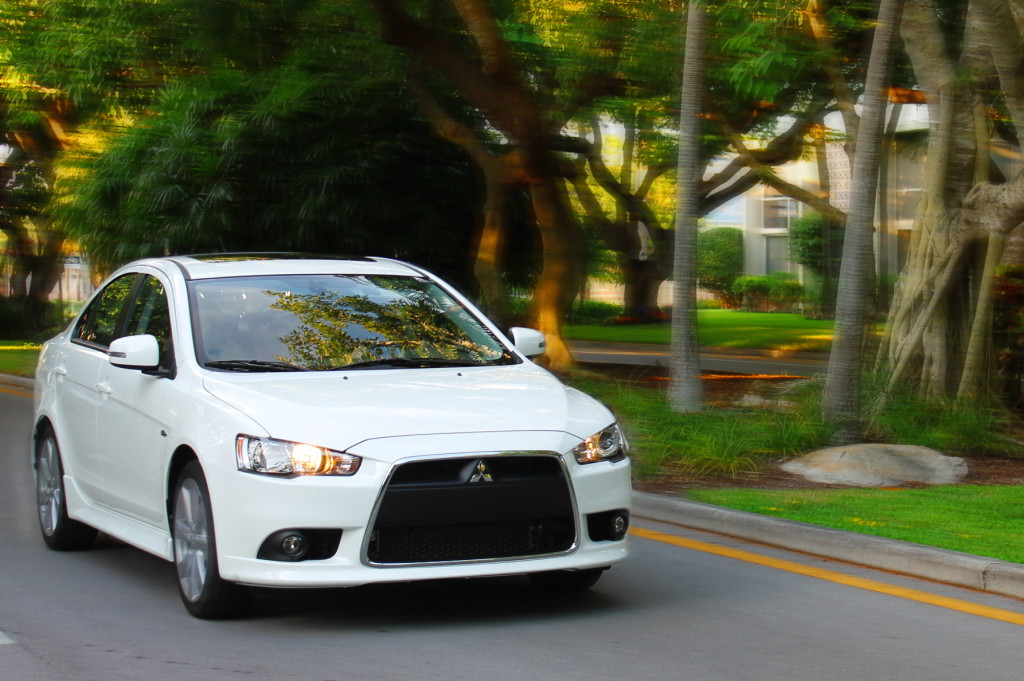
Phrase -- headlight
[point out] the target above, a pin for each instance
(608, 445)
(279, 457)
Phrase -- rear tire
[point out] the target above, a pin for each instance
(567, 581)
(202, 590)
(60, 532)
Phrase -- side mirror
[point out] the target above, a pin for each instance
(530, 342)
(135, 352)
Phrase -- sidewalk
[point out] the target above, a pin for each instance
(916, 560)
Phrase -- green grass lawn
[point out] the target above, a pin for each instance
(18, 357)
(724, 329)
(984, 521)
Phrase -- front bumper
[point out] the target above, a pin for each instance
(248, 508)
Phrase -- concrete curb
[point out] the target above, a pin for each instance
(940, 565)
(17, 381)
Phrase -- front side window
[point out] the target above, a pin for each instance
(150, 314)
(324, 322)
(100, 323)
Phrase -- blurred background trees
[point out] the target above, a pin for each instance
(515, 147)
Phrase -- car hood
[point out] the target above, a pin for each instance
(342, 409)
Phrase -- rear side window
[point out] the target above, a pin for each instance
(101, 322)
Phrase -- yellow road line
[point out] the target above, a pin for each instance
(836, 577)
(15, 391)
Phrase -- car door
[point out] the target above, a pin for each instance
(131, 419)
(77, 372)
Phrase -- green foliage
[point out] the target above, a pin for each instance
(731, 441)
(720, 262)
(716, 443)
(765, 54)
(952, 426)
(26, 193)
(807, 248)
(806, 242)
(310, 147)
(23, 317)
(776, 291)
(785, 290)
(593, 312)
(725, 328)
(1008, 332)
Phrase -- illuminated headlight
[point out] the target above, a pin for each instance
(608, 445)
(279, 457)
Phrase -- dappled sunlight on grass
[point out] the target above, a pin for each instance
(20, 346)
(724, 329)
(18, 357)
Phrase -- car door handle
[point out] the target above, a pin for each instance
(104, 388)
(60, 371)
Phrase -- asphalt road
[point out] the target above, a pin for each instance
(687, 605)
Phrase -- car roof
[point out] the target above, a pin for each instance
(210, 266)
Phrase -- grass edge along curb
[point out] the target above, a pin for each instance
(927, 562)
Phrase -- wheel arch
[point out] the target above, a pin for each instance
(181, 458)
(42, 425)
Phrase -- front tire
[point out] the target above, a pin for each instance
(60, 532)
(202, 590)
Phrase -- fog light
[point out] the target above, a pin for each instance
(609, 525)
(620, 523)
(294, 546)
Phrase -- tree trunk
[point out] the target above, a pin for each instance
(940, 330)
(560, 271)
(493, 83)
(687, 392)
(840, 405)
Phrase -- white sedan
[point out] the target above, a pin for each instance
(308, 422)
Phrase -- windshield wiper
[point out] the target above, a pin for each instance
(253, 365)
(409, 363)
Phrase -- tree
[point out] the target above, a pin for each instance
(840, 402)
(493, 83)
(236, 125)
(939, 335)
(293, 157)
(686, 392)
(62, 64)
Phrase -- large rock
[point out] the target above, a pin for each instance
(871, 465)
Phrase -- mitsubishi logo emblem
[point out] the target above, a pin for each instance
(481, 474)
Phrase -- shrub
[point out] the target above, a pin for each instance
(720, 262)
(753, 291)
(593, 312)
(22, 318)
(771, 293)
(784, 291)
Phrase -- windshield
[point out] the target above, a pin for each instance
(326, 322)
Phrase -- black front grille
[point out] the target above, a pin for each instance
(473, 508)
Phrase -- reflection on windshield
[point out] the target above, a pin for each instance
(334, 321)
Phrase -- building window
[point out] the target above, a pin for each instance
(778, 212)
(776, 250)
